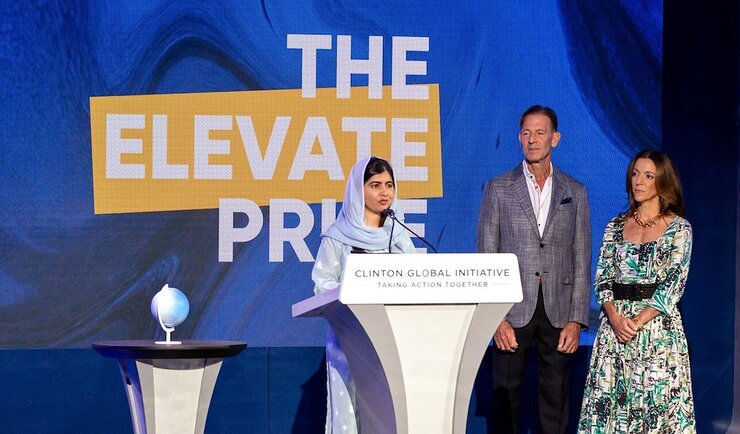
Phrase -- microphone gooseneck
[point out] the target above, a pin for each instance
(390, 238)
(385, 214)
(392, 215)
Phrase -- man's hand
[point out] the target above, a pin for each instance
(505, 338)
(568, 342)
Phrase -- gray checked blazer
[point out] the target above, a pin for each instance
(561, 257)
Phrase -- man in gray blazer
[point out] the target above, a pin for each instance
(540, 214)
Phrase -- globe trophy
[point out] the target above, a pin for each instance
(170, 307)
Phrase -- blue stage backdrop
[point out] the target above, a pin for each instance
(203, 146)
(206, 144)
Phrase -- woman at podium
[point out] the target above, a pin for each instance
(360, 227)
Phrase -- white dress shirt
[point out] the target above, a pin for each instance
(540, 198)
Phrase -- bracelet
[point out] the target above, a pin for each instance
(639, 323)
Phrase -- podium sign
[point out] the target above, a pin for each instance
(440, 278)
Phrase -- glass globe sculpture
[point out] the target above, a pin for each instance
(169, 307)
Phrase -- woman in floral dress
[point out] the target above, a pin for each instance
(639, 379)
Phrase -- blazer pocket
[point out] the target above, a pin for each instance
(567, 278)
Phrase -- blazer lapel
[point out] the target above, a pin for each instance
(558, 194)
(519, 188)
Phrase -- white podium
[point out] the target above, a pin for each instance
(414, 329)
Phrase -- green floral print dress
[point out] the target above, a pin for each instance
(643, 386)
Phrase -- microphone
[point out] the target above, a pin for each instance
(388, 213)
(392, 215)
(385, 213)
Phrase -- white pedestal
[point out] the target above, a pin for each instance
(169, 387)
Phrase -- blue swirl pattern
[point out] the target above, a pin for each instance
(70, 277)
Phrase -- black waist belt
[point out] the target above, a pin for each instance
(633, 291)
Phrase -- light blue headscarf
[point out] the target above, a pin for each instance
(350, 228)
